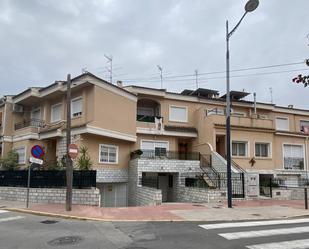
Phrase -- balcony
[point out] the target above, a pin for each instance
(162, 154)
(31, 123)
(244, 122)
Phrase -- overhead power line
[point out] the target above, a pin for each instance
(167, 78)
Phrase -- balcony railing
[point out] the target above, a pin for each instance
(37, 123)
(145, 118)
(165, 155)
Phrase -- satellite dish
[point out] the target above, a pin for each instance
(251, 5)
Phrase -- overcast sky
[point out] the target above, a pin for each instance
(43, 40)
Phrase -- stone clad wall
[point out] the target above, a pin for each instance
(50, 195)
(200, 195)
(147, 196)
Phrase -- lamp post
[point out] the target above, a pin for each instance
(250, 6)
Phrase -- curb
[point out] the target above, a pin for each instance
(81, 218)
(72, 217)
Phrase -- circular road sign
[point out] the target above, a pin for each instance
(37, 151)
(73, 151)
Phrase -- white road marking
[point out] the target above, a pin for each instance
(3, 211)
(293, 244)
(254, 223)
(11, 218)
(264, 233)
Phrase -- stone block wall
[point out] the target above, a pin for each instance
(112, 175)
(50, 195)
(147, 197)
(200, 195)
(288, 194)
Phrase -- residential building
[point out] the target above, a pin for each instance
(139, 136)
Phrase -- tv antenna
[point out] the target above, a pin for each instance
(161, 75)
(110, 68)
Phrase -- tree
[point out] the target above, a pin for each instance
(84, 160)
(10, 161)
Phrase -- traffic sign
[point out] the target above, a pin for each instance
(36, 160)
(73, 151)
(37, 151)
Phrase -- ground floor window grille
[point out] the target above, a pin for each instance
(293, 157)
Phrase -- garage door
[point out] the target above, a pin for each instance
(114, 195)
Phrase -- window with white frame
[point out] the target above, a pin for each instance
(304, 125)
(77, 107)
(178, 113)
(56, 112)
(158, 148)
(239, 148)
(293, 156)
(282, 124)
(108, 154)
(262, 149)
(21, 151)
(36, 113)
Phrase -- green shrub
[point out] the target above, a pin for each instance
(10, 161)
(84, 160)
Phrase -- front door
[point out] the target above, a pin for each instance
(220, 145)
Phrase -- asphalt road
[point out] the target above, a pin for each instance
(23, 231)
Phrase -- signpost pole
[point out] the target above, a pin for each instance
(28, 184)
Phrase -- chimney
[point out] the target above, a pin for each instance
(119, 83)
(290, 106)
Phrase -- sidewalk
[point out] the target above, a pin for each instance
(242, 210)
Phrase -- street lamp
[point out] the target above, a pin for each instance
(250, 6)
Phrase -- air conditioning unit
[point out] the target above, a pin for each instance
(18, 108)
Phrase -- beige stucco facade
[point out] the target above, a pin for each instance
(108, 116)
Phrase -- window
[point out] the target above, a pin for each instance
(158, 147)
(304, 126)
(36, 113)
(108, 154)
(56, 113)
(239, 148)
(293, 156)
(77, 107)
(282, 124)
(21, 151)
(178, 113)
(262, 149)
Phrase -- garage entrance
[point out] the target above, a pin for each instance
(114, 195)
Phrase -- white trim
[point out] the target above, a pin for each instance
(269, 150)
(155, 141)
(247, 148)
(150, 131)
(304, 157)
(110, 146)
(281, 117)
(17, 138)
(175, 120)
(51, 112)
(104, 132)
(25, 151)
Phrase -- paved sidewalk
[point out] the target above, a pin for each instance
(242, 210)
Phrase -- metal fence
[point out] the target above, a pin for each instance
(166, 154)
(47, 178)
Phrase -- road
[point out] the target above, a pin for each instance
(23, 231)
